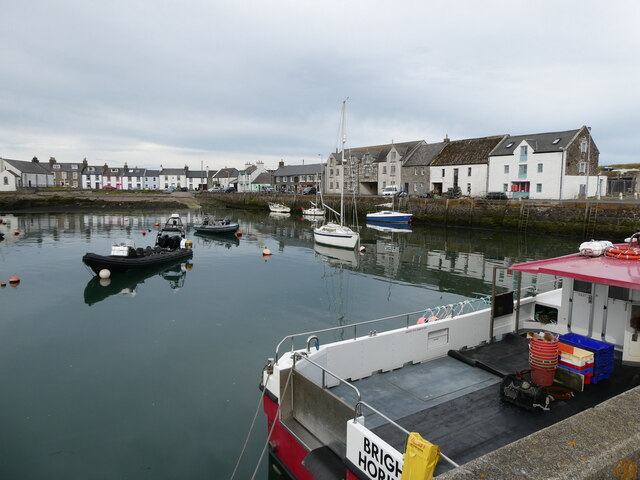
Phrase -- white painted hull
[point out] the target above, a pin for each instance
(279, 208)
(336, 235)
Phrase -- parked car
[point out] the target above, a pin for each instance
(267, 189)
(309, 191)
(169, 190)
(390, 191)
(402, 193)
(108, 187)
(184, 189)
(215, 189)
(230, 190)
(496, 196)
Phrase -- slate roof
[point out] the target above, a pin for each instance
(28, 167)
(133, 172)
(539, 142)
(263, 178)
(172, 171)
(424, 154)
(227, 172)
(379, 153)
(471, 151)
(64, 167)
(152, 173)
(196, 173)
(97, 170)
(289, 170)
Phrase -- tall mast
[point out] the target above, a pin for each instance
(344, 141)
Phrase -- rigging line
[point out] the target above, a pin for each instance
(246, 441)
(275, 419)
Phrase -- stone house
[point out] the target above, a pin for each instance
(295, 178)
(415, 171)
(66, 174)
(462, 164)
(368, 170)
(553, 165)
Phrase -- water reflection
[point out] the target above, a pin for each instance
(390, 227)
(126, 284)
(212, 239)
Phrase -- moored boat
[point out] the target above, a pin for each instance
(279, 208)
(171, 245)
(337, 234)
(217, 226)
(345, 408)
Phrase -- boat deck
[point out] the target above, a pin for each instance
(454, 401)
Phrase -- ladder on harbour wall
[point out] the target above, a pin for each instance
(524, 217)
(591, 220)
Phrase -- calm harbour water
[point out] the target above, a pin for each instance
(158, 377)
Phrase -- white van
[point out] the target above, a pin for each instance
(390, 191)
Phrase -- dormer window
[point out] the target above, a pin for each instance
(56, 166)
(74, 167)
(92, 169)
(114, 170)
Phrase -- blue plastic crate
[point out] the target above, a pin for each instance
(580, 341)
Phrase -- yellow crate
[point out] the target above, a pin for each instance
(578, 355)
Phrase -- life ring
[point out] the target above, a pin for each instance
(623, 253)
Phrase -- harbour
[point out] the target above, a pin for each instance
(159, 379)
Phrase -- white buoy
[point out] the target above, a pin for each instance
(362, 249)
(105, 282)
(104, 273)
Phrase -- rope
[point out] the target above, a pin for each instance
(246, 441)
(272, 427)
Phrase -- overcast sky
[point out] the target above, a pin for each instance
(154, 82)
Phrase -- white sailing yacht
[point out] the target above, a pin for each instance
(338, 234)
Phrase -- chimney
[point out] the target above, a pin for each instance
(186, 168)
(281, 163)
(35, 160)
(84, 162)
(446, 138)
(125, 165)
(52, 160)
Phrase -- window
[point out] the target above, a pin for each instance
(56, 166)
(337, 184)
(415, 186)
(555, 142)
(91, 169)
(6, 180)
(367, 171)
(583, 146)
(422, 171)
(523, 151)
(384, 169)
(331, 185)
(393, 156)
(539, 168)
(509, 145)
(115, 170)
(506, 169)
(74, 167)
(415, 171)
(75, 174)
(443, 173)
(582, 167)
(581, 286)
(469, 172)
(522, 170)
(505, 187)
(618, 293)
(64, 175)
(393, 169)
(538, 187)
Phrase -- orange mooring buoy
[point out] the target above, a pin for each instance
(156, 224)
(14, 281)
(16, 232)
(238, 234)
